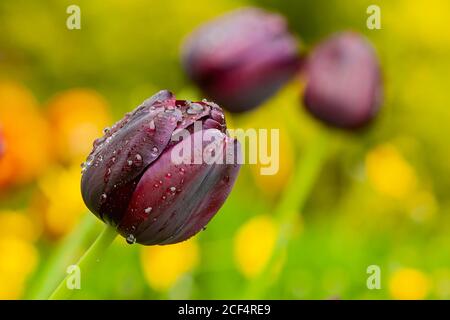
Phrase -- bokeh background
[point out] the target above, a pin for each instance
(382, 197)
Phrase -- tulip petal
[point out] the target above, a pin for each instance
(172, 202)
(123, 154)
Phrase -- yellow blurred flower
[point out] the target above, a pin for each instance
(18, 224)
(164, 265)
(389, 172)
(26, 136)
(18, 259)
(253, 245)
(77, 117)
(409, 284)
(18, 256)
(62, 204)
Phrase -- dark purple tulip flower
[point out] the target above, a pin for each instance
(154, 185)
(343, 86)
(241, 58)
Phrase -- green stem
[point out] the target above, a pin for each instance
(292, 202)
(53, 270)
(92, 255)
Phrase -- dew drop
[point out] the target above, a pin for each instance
(138, 159)
(89, 160)
(170, 109)
(131, 239)
(106, 130)
(168, 175)
(154, 150)
(103, 196)
(148, 210)
(152, 126)
(194, 108)
(130, 162)
(173, 189)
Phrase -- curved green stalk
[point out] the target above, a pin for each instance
(54, 269)
(92, 255)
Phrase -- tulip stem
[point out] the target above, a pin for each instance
(291, 204)
(54, 269)
(91, 256)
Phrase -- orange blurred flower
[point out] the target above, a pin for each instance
(26, 136)
(76, 117)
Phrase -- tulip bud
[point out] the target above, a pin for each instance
(343, 86)
(134, 181)
(241, 58)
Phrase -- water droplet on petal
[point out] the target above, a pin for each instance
(194, 108)
(131, 239)
(148, 210)
(152, 126)
(138, 159)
